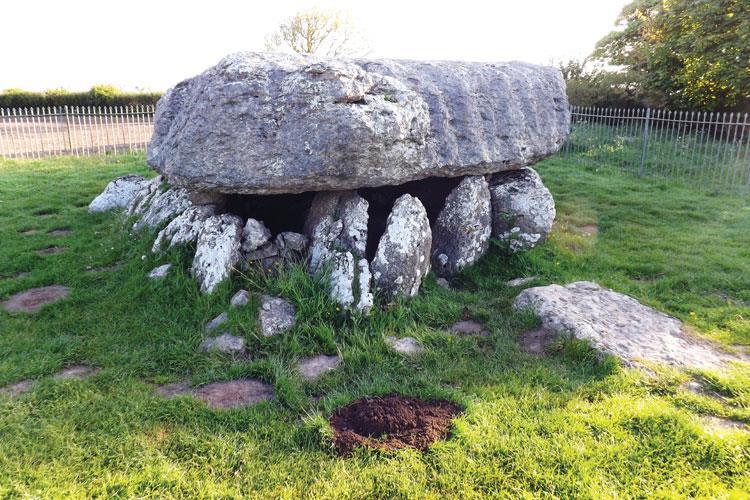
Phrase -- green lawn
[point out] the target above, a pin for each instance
(564, 425)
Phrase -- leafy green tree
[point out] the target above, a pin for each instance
(328, 33)
(694, 53)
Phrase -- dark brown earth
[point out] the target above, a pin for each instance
(34, 298)
(391, 422)
(50, 250)
(537, 341)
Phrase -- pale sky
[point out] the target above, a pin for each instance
(156, 43)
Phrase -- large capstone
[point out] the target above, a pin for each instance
(403, 256)
(462, 231)
(217, 251)
(523, 209)
(277, 123)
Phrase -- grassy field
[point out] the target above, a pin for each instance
(564, 425)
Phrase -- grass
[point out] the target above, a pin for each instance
(566, 425)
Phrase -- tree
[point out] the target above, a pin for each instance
(694, 53)
(589, 84)
(328, 33)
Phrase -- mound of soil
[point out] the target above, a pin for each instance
(391, 422)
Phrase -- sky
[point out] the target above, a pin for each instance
(154, 44)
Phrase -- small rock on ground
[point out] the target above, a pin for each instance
(114, 267)
(520, 281)
(408, 346)
(216, 322)
(234, 393)
(50, 250)
(316, 366)
(723, 426)
(159, 272)
(226, 343)
(60, 232)
(240, 298)
(537, 341)
(76, 372)
(17, 389)
(443, 283)
(33, 299)
(276, 316)
(469, 327)
(698, 388)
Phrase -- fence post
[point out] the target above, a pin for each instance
(645, 141)
(67, 126)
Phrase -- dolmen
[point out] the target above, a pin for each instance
(372, 172)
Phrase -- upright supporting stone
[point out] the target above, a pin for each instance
(217, 251)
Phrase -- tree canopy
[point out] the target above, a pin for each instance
(328, 33)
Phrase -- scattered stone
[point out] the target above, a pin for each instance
(408, 346)
(402, 258)
(391, 422)
(170, 391)
(276, 315)
(226, 343)
(255, 234)
(353, 123)
(118, 194)
(160, 272)
(114, 267)
(443, 283)
(184, 229)
(30, 232)
(17, 389)
(267, 256)
(140, 201)
(50, 250)
(76, 372)
(467, 327)
(461, 234)
(217, 322)
(240, 299)
(34, 299)
(163, 208)
(618, 324)
(317, 366)
(537, 341)
(234, 393)
(218, 250)
(723, 426)
(520, 281)
(291, 246)
(60, 232)
(522, 208)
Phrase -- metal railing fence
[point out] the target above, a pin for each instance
(711, 149)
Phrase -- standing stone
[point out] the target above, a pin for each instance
(523, 209)
(342, 278)
(163, 207)
(276, 315)
(462, 231)
(184, 229)
(402, 258)
(217, 251)
(118, 193)
(364, 304)
(278, 123)
(255, 234)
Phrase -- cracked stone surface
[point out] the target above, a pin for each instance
(160, 272)
(317, 366)
(408, 346)
(619, 325)
(276, 315)
(255, 234)
(33, 299)
(163, 207)
(184, 228)
(118, 194)
(217, 251)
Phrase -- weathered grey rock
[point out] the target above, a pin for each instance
(523, 209)
(226, 343)
(276, 316)
(118, 193)
(267, 256)
(160, 272)
(140, 201)
(408, 346)
(240, 299)
(184, 229)
(443, 283)
(163, 207)
(364, 277)
(291, 245)
(402, 258)
(618, 324)
(217, 251)
(521, 281)
(217, 322)
(276, 123)
(337, 221)
(30, 301)
(255, 234)
(342, 278)
(462, 230)
(317, 366)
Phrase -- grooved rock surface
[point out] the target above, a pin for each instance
(523, 209)
(139, 203)
(403, 256)
(462, 231)
(118, 193)
(184, 228)
(163, 207)
(277, 123)
(217, 251)
(618, 324)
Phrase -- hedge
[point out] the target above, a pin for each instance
(102, 95)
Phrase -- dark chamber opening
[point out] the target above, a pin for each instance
(279, 212)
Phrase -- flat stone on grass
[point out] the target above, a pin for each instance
(34, 299)
(60, 232)
(723, 426)
(173, 390)
(467, 327)
(76, 372)
(234, 393)
(317, 366)
(520, 281)
(226, 343)
(537, 341)
(408, 346)
(50, 250)
(105, 269)
(160, 272)
(276, 316)
(17, 389)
